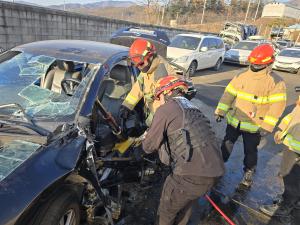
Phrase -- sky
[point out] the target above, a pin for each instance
(57, 2)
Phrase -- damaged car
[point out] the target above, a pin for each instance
(63, 157)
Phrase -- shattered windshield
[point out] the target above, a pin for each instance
(290, 53)
(246, 45)
(185, 42)
(34, 82)
(13, 154)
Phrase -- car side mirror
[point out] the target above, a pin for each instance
(203, 49)
(297, 89)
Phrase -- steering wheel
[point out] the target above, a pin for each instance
(69, 85)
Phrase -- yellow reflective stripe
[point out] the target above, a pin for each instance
(246, 126)
(223, 107)
(277, 97)
(132, 100)
(291, 142)
(147, 50)
(231, 90)
(232, 121)
(287, 119)
(267, 59)
(252, 98)
(271, 120)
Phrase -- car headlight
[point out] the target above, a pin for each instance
(182, 59)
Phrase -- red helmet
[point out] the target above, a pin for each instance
(140, 51)
(262, 55)
(169, 83)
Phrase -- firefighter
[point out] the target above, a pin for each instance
(152, 66)
(289, 135)
(252, 103)
(181, 134)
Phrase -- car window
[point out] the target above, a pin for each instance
(21, 75)
(244, 45)
(290, 53)
(212, 44)
(185, 42)
(220, 43)
(205, 43)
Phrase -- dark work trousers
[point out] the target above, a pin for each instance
(290, 170)
(250, 140)
(178, 196)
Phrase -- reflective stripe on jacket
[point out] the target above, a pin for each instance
(144, 87)
(290, 126)
(253, 100)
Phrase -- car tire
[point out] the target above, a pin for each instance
(64, 208)
(192, 69)
(218, 65)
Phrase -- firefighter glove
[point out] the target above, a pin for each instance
(277, 137)
(219, 118)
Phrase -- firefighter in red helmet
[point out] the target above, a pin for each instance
(252, 103)
(143, 55)
(182, 136)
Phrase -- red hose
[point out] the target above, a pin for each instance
(219, 210)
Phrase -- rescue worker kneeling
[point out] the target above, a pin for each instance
(183, 138)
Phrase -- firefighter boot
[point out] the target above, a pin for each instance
(247, 179)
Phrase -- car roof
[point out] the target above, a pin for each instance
(294, 48)
(198, 35)
(73, 50)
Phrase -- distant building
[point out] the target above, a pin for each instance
(280, 10)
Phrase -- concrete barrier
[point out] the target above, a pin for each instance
(21, 23)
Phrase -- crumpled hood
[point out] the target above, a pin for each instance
(285, 59)
(13, 154)
(177, 52)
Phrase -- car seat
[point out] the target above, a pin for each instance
(63, 69)
(114, 89)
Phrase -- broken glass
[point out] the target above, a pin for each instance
(36, 66)
(13, 154)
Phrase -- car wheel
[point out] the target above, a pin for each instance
(192, 69)
(218, 65)
(64, 209)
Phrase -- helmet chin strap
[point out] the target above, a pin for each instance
(149, 63)
(257, 68)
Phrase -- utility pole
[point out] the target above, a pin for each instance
(204, 7)
(247, 11)
(257, 9)
(162, 15)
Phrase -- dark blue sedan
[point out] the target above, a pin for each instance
(58, 165)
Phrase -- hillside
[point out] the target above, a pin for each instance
(94, 6)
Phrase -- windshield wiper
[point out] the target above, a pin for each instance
(28, 123)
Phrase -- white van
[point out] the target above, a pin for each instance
(196, 51)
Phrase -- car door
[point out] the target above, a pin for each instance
(203, 57)
(212, 51)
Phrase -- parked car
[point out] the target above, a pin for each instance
(126, 36)
(288, 60)
(239, 53)
(59, 162)
(196, 51)
(277, 32)
(284, 44)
